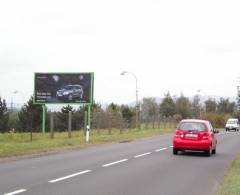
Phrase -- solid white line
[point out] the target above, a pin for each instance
(161, 149)
(140, 155)
(113, 163)
(16, 192)
(69, 176)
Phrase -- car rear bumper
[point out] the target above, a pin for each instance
(191, 144)
(231, 128)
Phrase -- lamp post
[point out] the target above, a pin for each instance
(200, 107)
(136, 80)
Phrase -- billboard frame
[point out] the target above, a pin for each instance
(88, 104)
(66, 73)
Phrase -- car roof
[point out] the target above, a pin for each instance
(233, 119)
(195, 120)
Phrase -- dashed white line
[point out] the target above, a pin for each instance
(161, 149)
(87, 171)
(140, 155)
(69, 176)
(113, 163)
(170, 146)
(16, 192)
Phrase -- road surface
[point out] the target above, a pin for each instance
(141, 167)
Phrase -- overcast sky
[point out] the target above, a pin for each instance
(178, 46)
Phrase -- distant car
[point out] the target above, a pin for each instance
(232, 124)
(195, 135)
(70, 92)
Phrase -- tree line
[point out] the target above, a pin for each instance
(152, 114)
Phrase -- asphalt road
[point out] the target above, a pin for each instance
(141, 167)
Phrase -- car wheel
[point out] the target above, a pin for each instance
(70, 97)
(175, 151)
(209, 152)
(214, 151)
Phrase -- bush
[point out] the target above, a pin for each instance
(217, 120)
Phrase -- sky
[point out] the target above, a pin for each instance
(170, 45)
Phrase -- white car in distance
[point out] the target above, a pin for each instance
(232, 124)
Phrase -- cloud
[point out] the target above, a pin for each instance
(225, 49)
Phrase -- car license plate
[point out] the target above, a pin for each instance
(191, 135)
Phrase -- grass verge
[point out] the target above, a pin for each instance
(16, 144)
(231, 181)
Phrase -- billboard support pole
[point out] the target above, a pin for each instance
(89, 116)
(43, 118)
(89, 123)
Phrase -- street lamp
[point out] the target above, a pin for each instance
(137, 113)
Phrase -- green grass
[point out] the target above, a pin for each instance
(15, 144)
(231, 181)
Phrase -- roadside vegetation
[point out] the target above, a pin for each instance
(15, 144)
(21, 130)
(152, 112)
(231, 181)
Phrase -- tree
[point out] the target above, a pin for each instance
(113, 113)
(30, 116)
(237, 110)
(13, 120)
(225, 106)
(127, 115)
(210, 105)
(78, 118)
(183, 106)
(196, 106)
(149, 109)
(167, 106)
(4, 116)
(62, 118)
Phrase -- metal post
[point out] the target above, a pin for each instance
(85, 122)
(43, 118)
(137, 125)
(89, 123)
(69, 124)
(89, 116)
(51, 125)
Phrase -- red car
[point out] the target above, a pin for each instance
(194, 134)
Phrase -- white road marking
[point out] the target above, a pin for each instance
(170, 146)
(16, 192)
(69, 176)
(140, 155)
(113, 163)
(161, 149)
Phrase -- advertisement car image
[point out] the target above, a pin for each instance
(70, 92)
(60, 88)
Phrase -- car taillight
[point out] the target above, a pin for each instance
(179, 134)
(205, 136)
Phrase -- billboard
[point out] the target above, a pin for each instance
(63, 88)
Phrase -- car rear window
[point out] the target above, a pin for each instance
(191, 126)
(232, 122)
